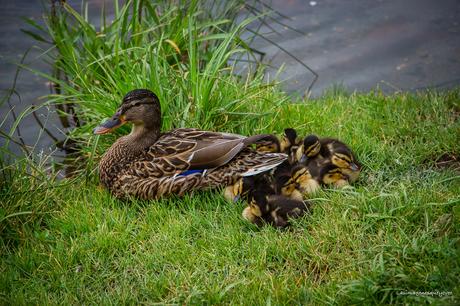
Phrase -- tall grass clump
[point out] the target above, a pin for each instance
(185, 51)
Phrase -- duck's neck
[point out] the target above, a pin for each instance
(141, 137)
(125, 150)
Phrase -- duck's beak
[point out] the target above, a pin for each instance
(236, 198)
(109, 125)
(354, 167)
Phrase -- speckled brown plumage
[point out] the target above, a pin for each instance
(145, 164)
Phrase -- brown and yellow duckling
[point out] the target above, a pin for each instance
(289, 140)
(243, 187)
(339, 169)
(341, 156)
(275, 210)
(149, 164)
(297, 184)
(333, 175)
(306, 184)
(309, 149)
(269, 144)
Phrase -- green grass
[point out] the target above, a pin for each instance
(67, 241)
(395, 231)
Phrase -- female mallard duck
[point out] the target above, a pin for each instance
(149, 164)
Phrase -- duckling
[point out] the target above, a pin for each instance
(283, 182)
(328, 150)
(344, 159)
(339, 170)
(289, 188)
(333, 175)
(294, 181)
(309, 149)
(269, 144)
(331, 145)
(245, 185)
(306, 184)
(275, 210)
(289, 140)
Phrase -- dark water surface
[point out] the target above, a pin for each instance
(358, 44)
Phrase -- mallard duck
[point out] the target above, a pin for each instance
(149, 164)
(273, 209)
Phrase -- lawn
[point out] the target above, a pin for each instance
(395, 231)
(392, 237)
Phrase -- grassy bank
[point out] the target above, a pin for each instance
(395, 231)
(68, 241)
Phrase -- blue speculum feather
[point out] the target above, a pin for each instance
(188, 172)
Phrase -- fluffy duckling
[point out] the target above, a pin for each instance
(331, 145)
(269, 144)
(275, 210)
(317, 153)
(309, 149)
(333, 175)
(246, 185)
(283, 182)
(339, 169)
(306, 184)
(344, 159)
(289, 140)
(295, 181)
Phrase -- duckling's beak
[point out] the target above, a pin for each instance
(109, 125)
(303, 159)
(354, 167)
(236, 198)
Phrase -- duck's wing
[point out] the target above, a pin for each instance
(190, 149)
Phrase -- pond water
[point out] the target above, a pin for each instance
(356, 44)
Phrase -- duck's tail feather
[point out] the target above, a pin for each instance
(268, 161)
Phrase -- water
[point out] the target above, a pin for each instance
(357, 44)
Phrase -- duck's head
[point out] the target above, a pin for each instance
(140, 107)
(343, 159)
(310, 148)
